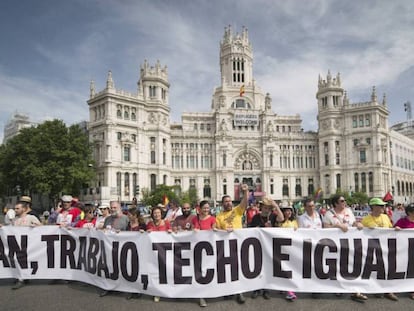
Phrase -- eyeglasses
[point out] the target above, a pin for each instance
(66, 202)
(342, 201)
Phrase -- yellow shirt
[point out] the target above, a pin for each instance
(289, 224)
(231, 219)
(382, 221)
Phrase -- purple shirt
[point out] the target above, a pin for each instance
(404, 223)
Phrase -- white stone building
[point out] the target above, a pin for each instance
(242, 140)
(17, 122)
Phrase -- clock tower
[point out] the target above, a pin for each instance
(236, 59)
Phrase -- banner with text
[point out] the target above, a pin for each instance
(213, 264)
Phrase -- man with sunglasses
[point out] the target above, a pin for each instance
(104, 213)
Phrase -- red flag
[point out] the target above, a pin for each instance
(388, 197)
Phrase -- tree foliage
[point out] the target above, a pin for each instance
(190, 196)
(152, 198)
(47, 159)
(353, 198)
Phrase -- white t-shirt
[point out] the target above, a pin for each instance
(305, 221)
(346, 217)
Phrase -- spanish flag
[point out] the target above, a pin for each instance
(165, 200)
(242, 90)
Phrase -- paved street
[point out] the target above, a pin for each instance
(39, 295)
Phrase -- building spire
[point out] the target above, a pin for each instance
(92, 89)
(374, 94)
(109, 81)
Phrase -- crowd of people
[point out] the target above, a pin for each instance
(70, 213)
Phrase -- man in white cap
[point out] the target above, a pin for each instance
(64, 214)
(104, 213)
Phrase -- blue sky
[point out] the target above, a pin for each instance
(50, 50)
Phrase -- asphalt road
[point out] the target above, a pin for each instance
(40, 295)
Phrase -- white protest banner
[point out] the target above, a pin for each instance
(185, 264)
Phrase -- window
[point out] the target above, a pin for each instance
(126, 114)
(134, 138)
(368, 140)
(367, 120)
(195, 126)
(207, 188)
(164, 158)
(338, 181)
(119, 135)
(356, 141)
(362, 156)
(153, 179)
(354, 122)
(298, 188)
(324, 102)
(224, 160)
(127, 153)
(335, 100)
(363, 182)
(285, 187)
(152, 157)
(370, 182)
(118, 183)
(119, 113)
(338, 159)
(192, 183)
(133, 115)
(361, 121)
(326, 159)
(152, 91)
(311, 189)
(126, 183)
(356, 181)
(240, 103)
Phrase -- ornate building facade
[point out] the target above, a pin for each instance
(242, 140)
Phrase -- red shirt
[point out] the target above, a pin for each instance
(165, 227)
(204, 224)
(405, 223)
(250, 213)
(85, 224)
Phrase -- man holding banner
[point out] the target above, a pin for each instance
(231, 218)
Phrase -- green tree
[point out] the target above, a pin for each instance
(190, 196)
(47, 159)
(354, 198)
(156, 196)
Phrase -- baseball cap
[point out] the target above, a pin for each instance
(376, 201)
(67, 198)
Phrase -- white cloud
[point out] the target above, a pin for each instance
(369, 42)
